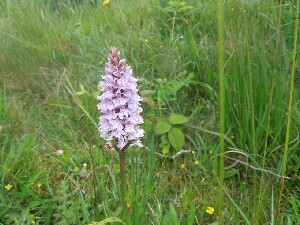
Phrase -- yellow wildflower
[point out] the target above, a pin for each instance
(76, 169)
(210, 210)
(101, 63)
(196, 162)
(128, 205)
(39, 185)
(32, 222)
(105, 2)
(182, 166)
(8, 187)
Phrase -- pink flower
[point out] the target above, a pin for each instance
(120, 104)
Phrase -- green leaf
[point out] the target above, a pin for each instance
(165, 150)
(171, 217)
(178, 119)
(230, 173)
(164, 144)
(82, 91)
(191, 215)
(163, 119)
(35, 203)
(176, 138)
(185, 8)
(165, 147)
(164, 138)
(108, 220)
(162, 127)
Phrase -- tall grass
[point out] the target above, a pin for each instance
(221, 106)
(269, 112)
(287, 136)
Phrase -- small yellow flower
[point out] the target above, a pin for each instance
(76, 169)
(196, 162)
(210, 210)
(182, 166)
(193, 152)
(127, 65)
(8, 187)
(202, 180)
(39, 185)
(32, 222)
(101, 63)
(105, 2)
(128, 205)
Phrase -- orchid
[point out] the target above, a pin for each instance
(120, 104)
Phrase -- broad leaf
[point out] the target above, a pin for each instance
(176, 138)
(165, 147)
(162, 127)
(165, 150)
(178, 119)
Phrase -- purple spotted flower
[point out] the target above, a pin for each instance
(119, 104)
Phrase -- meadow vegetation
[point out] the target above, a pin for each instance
(53, 166)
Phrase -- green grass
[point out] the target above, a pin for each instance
(50, 68)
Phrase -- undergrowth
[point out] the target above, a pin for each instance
(52, 58)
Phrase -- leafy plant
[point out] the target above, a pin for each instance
(176, 12)
(171, 133)
(171, 217)
(69, 208)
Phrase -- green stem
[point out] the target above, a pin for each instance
(269, 108)
(123, 189)
(287, 136)
(253, 133)
(222, 105)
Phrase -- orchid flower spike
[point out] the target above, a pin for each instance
(120, 104)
